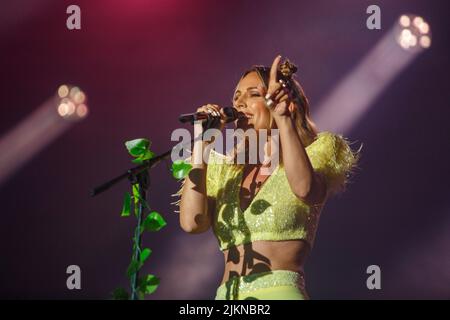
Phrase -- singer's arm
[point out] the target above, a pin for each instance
(195, 207)
(195, 216)
(304, 182)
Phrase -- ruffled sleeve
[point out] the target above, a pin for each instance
(331, 156)
(212, 177)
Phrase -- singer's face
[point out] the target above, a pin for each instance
(249, 100)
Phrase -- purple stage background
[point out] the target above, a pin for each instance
(142, 63)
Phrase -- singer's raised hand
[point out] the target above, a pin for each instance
(280, 95)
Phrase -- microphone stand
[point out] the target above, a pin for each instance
(140, 175)
(137, 175)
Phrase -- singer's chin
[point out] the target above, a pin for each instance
(244, 124)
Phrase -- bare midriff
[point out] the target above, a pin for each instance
(262, 256)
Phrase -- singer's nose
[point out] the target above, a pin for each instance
(241, 105)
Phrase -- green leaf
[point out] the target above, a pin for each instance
(147, 155)
(133, 267)
(120, 294)
(180, 169)
(136, 197)
(144, 255)
(126, 205)
(154, 222)
(137, 147)
(137, 160)
(149, 284)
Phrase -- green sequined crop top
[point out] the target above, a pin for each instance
(275, 212)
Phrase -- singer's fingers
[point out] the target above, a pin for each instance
(212, 123)
(273, 70)
(206, 107)
(284, 98)
(275, 89)
(213, 112)
(281, 94)
(223, 116)
(203, 109)
(215, 109)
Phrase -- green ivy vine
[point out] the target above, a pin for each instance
(152, 221)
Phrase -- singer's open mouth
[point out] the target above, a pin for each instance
(248, 115)
(244, 116)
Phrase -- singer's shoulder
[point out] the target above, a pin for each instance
(217, 157)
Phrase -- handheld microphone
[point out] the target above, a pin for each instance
(231, 114)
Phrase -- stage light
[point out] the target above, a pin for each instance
(82, 110)
(79, 97)
(410, 35)
(425, 41)
(63, 91)
(63, 109)
(40, 128)
(404, 21)
(417, 21)
(424, 28)
(355, 93)
(74, 91)
(72, 106)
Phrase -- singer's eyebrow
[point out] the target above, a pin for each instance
(238, 91)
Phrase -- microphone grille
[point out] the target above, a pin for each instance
(231, 114)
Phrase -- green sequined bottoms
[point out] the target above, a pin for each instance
(270, 285)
